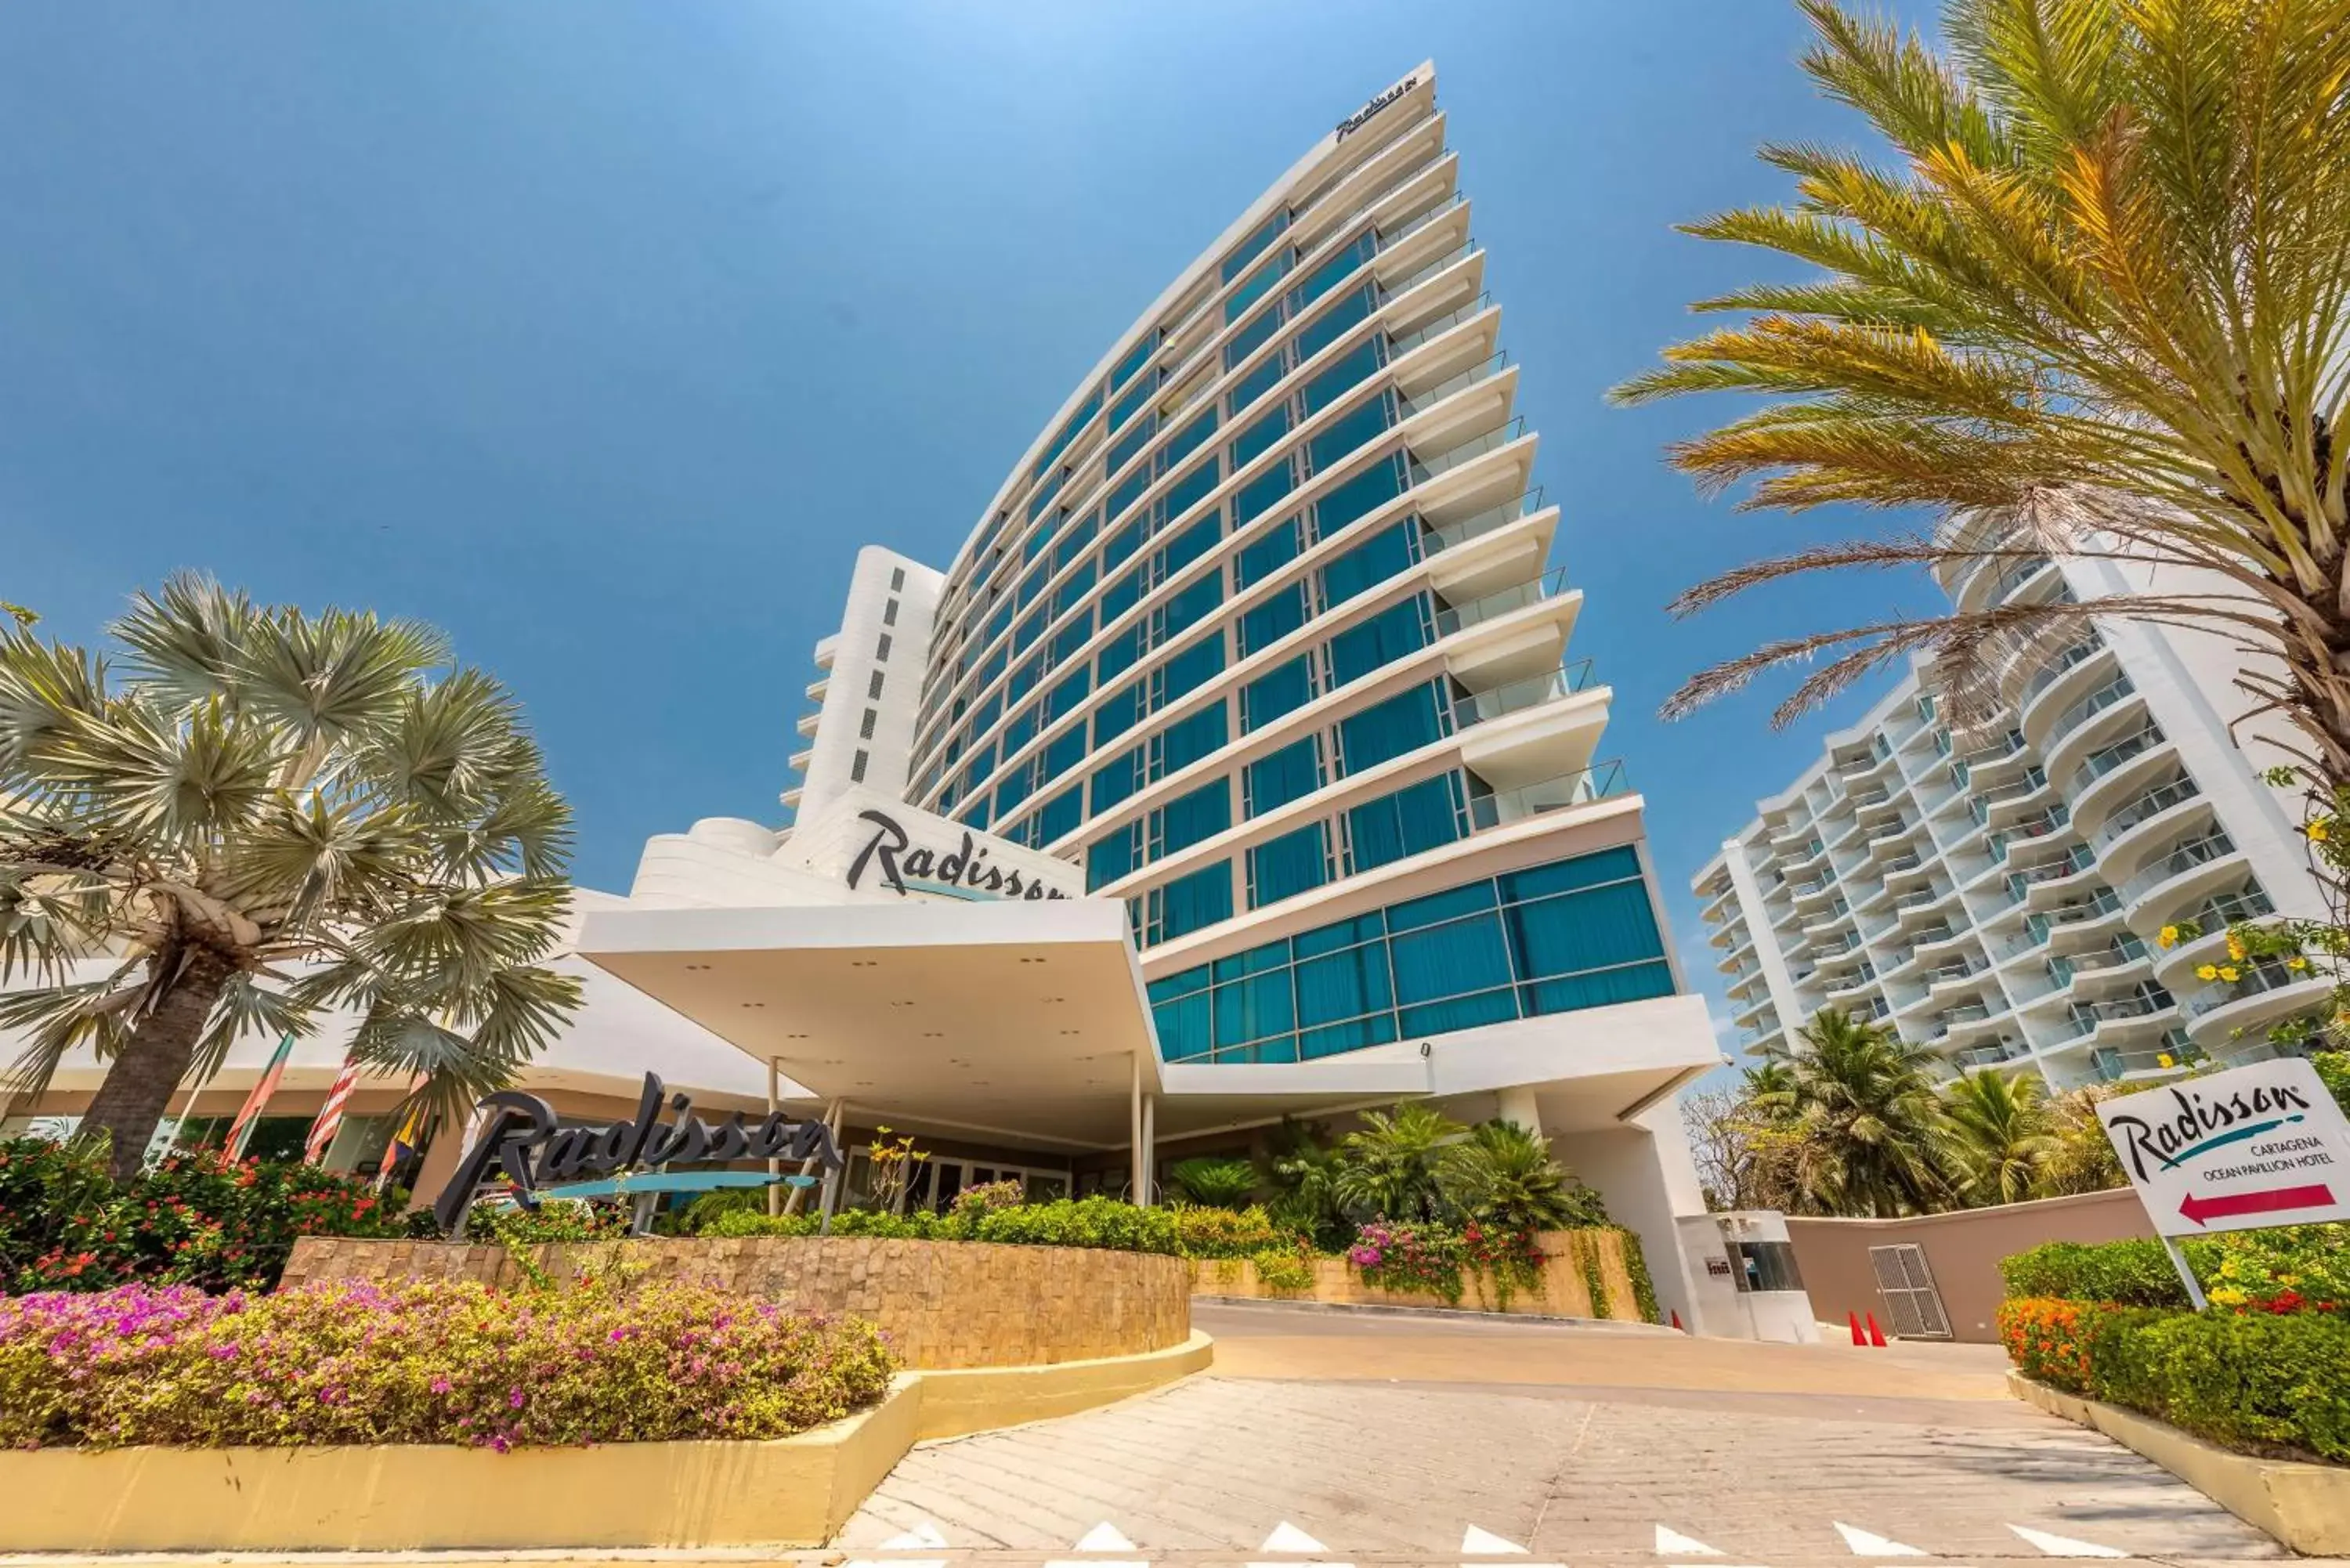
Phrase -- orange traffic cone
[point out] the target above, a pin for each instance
(1677, 1322)
(1857, 1338)
(1875, 1334)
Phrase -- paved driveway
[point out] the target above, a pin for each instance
(1346, 1437)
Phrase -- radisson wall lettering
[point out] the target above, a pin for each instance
(903, 865)
(1357, 120)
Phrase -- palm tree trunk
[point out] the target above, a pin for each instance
(138, 1088)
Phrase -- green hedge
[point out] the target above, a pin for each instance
(2262, 1382)
(2132, 1273)
(1108, 1223)
(2284, 1268)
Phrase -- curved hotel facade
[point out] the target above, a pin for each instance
(1238, 767)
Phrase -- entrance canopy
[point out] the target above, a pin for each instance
(1021, 1021)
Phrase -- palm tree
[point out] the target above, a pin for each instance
(268, 814)
(1213, 1183)
(1504, 1176)
(2000, 1137)
(1864, 1110)
(2099, 304)
(1387, 1170)
(1299, 1175)
(2080, 1155)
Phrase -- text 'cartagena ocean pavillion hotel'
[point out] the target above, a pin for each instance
(1236, 768)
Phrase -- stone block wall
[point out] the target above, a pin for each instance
(1571, 1260)
(943, 1304)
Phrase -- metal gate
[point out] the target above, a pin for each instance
(1907, 1284)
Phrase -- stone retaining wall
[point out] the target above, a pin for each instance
(1571, 1260)
(943, 1304)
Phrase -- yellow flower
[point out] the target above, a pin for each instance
(2236, 947)
(2318, 831)
(2227, 973)
(2206, 971)
(2168, 937)
(2296, 964)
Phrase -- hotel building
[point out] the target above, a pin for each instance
(1997, 893)
(1236, 769)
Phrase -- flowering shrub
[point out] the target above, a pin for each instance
(196, 1218)
(990, 1196)
(2292, 1268)
(2260, 1381)
(1283, 1270)
(1107, 1223)
(1397, 1257)
(428, 1362)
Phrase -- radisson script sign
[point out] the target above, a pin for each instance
(2263, 1145)
(903, 867)
(521, 1140)
(1361, 117)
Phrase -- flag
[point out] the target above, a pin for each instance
(330, 1114)
(240, 1131)
(404, 1139)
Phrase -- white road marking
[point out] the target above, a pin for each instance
(1102, 1537)
(1476, 1543)
(1673, 1544)
(923, 1537)
(2064, 1545)
(1863, 1544)
(1287, 1537)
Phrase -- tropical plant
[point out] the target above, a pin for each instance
(1214, 1182)
(269, 815)
(2100, 302)
(1863, 1101)
(1299, 1177)
(2000, 1133)
(2080, 1156)
(1503, 1178)
(1387, 1166)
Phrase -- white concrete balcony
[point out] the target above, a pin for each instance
(2070, 675)
(2175, 967)
(817, 688)
(2184, 878)
(806, 724)
(2118, 770)
(799, 760)
(2262, 995)
(2093, 724)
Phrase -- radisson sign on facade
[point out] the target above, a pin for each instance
(1361, 117)
(963, 872)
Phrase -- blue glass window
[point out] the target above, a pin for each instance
(1023, 681)
(1188, 903)
(1187, 740)
(1404, 722)
(1263, 493)
(1351, 499)
(1117, 714)
(1255, 383)
(1067, 693)
(1194, 668)
(1182, 1024)
(1290, 864)
(1072, 636)
(1016, 787)
(982, 763)
(1060, 815)
(1191, 818)
(1396, 632)
(1071, 590)
(1121, 596)
(1438, 907)
(1192, 489)
(1335, 323)
(1109, 858)
(1136, 357)
(1334, 272)
(1291, 772)
(1350, 371)
(1414, 819)
(1382, 555)
(1188, 608)
(1073, 540)
(1129, 490)
(1281, 689)
(1030, 629)
(1599, 928)
(1260, 436)
(1115, 779)
(1236, 304)
(1122, 450)
(1020, 730)
(1118, 654)
(1032, 585)
(1259, 559)
(1353, 430)
(1464, 955)
(1278, 616)
(1194, 541)
(1120, 547)
(1063, 752)
(1344, 984)
(1616, 865)
(1039, 537)
(1069, 429)
(1253, 1016)
(1249, 249)
(1135, 397)
(1186, 441)
(982, 717)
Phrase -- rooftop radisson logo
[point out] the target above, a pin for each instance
(1357, 120)
(963, 872)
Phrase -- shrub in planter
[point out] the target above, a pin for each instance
(2251, 1381)
(1282, 1271)
(1103, 1223)
(2286, 1269)
(2134, 1272)
(425, 1361)
(1408, 1258)
(194, 1219)
(2048, 1338)
(1225, 1233)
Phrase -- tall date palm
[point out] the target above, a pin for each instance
(2097, 302)
(260, 815)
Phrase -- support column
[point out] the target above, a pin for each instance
(834, 1179)
(1517, 1105)
(808, 1166)
(1147, 1180)
(1134, 1144)
(775, 1167)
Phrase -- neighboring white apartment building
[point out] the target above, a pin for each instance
(1999, 895)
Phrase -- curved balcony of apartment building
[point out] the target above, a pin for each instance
(2070, 674)
(790, 798)
(1747, 986)
(2181, 878)
(1914, 912)
(2031, 837)
(1500, 807)
(2118, 771)
(1741, 951)
(1719, 904)
(806, 725)
(2105, 713)
(2119, 1021)
(1731, 932)
(1830, 921)
(2175, 813)
(1966, 1024)
(1998, 1053)
(1846, 987)
(2001, 805)
(2262, 996)
(1995, 760)
(817, 688)
(798, 760)
(2045, 881)
(1750, 1012)
(2086, 920)
(2121, 817)
(1762, 1037)
(2174, 966)
(1996, 578)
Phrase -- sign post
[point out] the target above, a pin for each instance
(2239, 1150)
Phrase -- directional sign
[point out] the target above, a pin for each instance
(2263, 1145)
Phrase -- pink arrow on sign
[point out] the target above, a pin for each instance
(2317, 1195)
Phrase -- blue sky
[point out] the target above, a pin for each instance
(603, 335)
